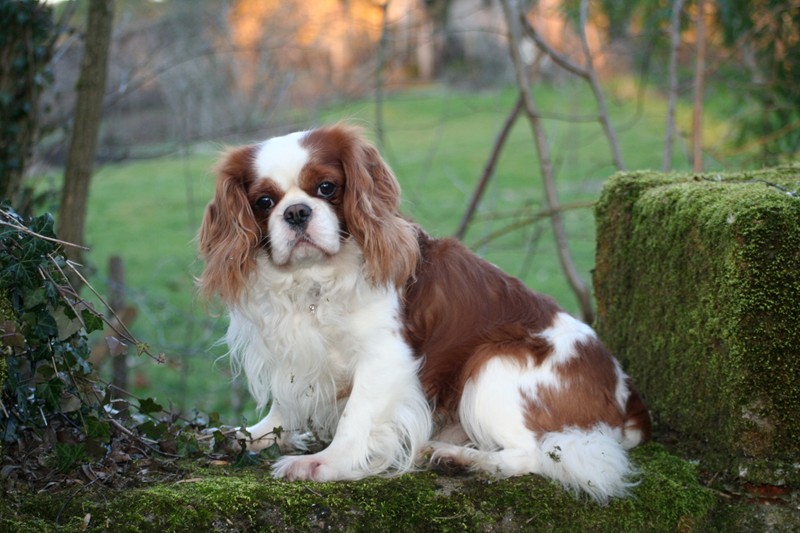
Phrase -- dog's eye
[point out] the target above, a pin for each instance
(326, 189)
(265, 203)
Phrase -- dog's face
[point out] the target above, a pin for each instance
(297, 199)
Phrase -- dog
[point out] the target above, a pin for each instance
(357, 328)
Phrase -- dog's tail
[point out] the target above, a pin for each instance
(592, 461)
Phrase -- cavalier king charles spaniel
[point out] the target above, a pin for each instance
(357, 328)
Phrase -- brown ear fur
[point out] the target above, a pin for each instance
(372, 213)
(229, 234)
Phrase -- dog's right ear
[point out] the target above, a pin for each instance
(229, 234)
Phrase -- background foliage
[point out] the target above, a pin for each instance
(26, 45)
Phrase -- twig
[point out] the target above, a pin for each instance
(530, 219)
(60, 289)
(488, 169)
(588, 73)
(594, 82)
(19, 227)
(126, 333)
(559, 59)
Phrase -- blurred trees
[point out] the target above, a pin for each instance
(764, 37)
(26, 44)
(753, 51)
(183, 71)
(86, 120)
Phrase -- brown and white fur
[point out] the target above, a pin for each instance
(354, 325)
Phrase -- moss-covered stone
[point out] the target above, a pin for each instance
(698, 288)
(668, 498)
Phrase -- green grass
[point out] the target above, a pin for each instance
(437, 141)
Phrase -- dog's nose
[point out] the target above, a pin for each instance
(297, 215)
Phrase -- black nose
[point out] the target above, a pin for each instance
(297, 215)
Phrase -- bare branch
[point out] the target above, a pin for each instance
(559, 59)
(124, 333)
(602, 108)
(488, 169)
(587, 73)
(675, 43)
(530, 219)
(511, 12)
(19, 227)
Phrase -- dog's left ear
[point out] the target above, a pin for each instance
(229, 233)
(372, 214)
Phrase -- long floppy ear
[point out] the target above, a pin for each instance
(372, 213)
(229, 234)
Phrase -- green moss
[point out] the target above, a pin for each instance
(667, 498)
(698, 293)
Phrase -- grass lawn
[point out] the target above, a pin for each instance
(437, 141)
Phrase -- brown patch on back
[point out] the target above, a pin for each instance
(586, 397)
(460, 311)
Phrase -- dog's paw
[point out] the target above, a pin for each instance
(254, 443)
(303, 467)
(448, 459)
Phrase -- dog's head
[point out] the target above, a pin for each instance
(297, 199)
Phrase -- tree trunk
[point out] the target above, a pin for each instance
(699, 88)
(675, 43)
(86, 125)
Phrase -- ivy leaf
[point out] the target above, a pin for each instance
(246, 459)
(67, 327)
(35, 298)
(67, 456)
(153, 430)
(271, 453)
(148, 406)
(187, 444)
(93, 321)
(44, 225)
(42, 325)
(69, 403)
(96, 428)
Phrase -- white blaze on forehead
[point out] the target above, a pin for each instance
(281, 159)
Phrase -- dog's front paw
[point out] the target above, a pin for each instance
(303, 467)
(256, 443)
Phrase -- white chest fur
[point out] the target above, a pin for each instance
(299, 335)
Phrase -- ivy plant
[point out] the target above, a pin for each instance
(43, 331)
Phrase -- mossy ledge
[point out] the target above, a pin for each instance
(698, 291)
(667, 498)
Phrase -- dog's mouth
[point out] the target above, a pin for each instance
(305, 249)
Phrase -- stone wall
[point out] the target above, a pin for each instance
(698, 289)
